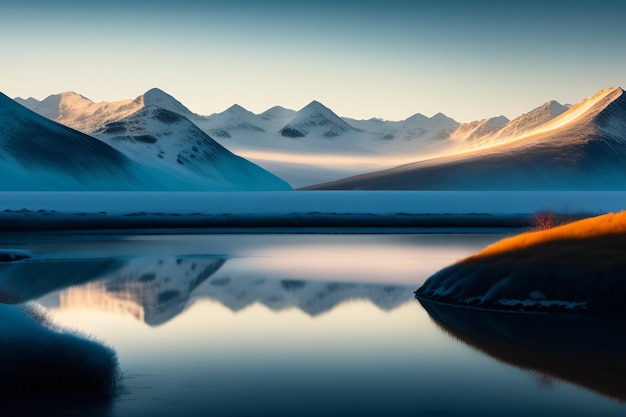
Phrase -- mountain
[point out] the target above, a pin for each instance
(418, 129)
(80, 113)
(153, 149)
(336, 147)
(277, 116)
(522, 125)
(152, 132)
(315, 119)
(164, 140)
(234, 118)
(469, 132)
(583, 148)
(39, 154)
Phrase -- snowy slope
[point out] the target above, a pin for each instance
(315, 119)
(276, 117)
(472, 131)
(582, 148)
(38, 154)
(415, 128)
(314, 145)
(80, 113)
(160, 150)
(522, 125)
(167, 141)
(234, 118)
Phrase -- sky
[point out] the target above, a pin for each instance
(389, 59)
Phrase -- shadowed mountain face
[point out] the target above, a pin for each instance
(315, 117)
(152, 149)
(168, 141)
(586, 350)
(582, 148)
(38, 154)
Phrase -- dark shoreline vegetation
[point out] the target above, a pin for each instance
(25, 220)
(579, 266)
(38, 357)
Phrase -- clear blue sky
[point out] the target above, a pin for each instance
(389, 59)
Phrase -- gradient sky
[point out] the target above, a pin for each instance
(389, 59)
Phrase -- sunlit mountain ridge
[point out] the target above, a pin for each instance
(582, 148)
(315, 147)
(153, 149)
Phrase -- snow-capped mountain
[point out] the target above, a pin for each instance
(418, 129)
(315, 119)
(277, 117)
(314, 145)
(80, 113)
(39, 154)
(235, 118)
(472, 131)
(583, 148)
(521, 125)
(150, 148)
(165, 140)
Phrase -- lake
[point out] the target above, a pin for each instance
(300, 325)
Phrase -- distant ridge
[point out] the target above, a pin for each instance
(315, 117)
(582, 148)
(300, 145)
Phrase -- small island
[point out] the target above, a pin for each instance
(578, 267)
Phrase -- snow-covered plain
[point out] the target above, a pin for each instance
(40, 210)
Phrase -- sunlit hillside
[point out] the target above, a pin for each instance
(578, 266)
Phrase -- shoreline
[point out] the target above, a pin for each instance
(305, 211)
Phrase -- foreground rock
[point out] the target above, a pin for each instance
(580, 266)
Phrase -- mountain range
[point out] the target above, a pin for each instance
(146, 147)
(553, 146)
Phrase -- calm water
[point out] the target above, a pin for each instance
(303, 325)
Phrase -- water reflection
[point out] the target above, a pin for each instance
(589, 351)
(155, 290)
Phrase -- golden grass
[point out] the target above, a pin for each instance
(608, 224)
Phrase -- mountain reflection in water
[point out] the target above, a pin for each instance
(155, 289)
(586, 350)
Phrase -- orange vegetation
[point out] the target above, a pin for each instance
(608, 224)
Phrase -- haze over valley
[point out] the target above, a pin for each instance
(553, 146)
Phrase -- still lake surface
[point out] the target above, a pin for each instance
(290, 325)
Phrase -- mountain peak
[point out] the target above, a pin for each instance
(160, 98)
(237, 109)
(315, 116)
